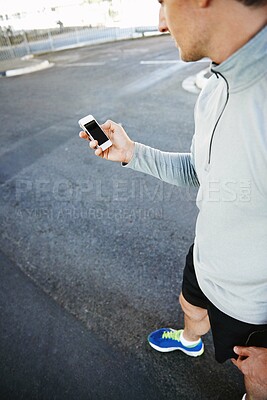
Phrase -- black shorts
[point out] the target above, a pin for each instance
(227, 332)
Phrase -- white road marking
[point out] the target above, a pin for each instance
(153, 78)
(87, 64)
(155, 62)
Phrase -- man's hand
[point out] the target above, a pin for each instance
(252, 362)
(122, 148)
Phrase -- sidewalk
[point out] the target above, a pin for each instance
(24, 65)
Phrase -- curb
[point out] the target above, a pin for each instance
(195, 83)
(26, 70)
(202, 78)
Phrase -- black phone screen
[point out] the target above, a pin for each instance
(97, 133)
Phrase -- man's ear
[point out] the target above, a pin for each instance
(203, 3)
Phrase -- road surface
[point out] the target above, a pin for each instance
(105, 244)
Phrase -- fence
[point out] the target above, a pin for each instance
(21, 43)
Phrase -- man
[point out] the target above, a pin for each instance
(225, 277)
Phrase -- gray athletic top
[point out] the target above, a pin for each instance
(228, 161)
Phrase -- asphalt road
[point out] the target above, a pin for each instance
(97, 250)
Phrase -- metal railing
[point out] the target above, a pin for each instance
(21, 43)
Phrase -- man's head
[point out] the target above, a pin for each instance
(211, 28)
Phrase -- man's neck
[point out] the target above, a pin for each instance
(234, 30)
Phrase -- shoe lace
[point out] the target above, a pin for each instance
(174, 335)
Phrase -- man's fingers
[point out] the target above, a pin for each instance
(234, 361)
(99, 152)
(107, 125)
(239, 363)
(84, 135)
(242, 351)
(93, 144)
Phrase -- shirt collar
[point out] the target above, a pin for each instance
(247, 64)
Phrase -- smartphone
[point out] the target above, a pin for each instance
(90, 126)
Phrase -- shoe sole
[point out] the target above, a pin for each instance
(187, 352)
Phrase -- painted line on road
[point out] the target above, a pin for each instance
(159, 62)
(155, 62)
(88, 64)
(153, 78)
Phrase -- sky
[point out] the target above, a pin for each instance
(7, 6)
(133, 12)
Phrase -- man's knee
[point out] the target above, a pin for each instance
(192, 312)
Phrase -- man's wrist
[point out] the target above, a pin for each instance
(129, 154)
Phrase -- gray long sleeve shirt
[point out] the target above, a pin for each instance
(228, 161)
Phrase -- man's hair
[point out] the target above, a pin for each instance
(255, 3)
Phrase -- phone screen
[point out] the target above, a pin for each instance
(96, 132)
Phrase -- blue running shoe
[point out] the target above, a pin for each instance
(167, 339)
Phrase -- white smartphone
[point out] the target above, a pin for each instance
(93, 130)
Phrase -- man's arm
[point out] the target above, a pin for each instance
(175, 168)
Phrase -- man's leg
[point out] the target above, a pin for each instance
(188, 340)
(196, 320)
